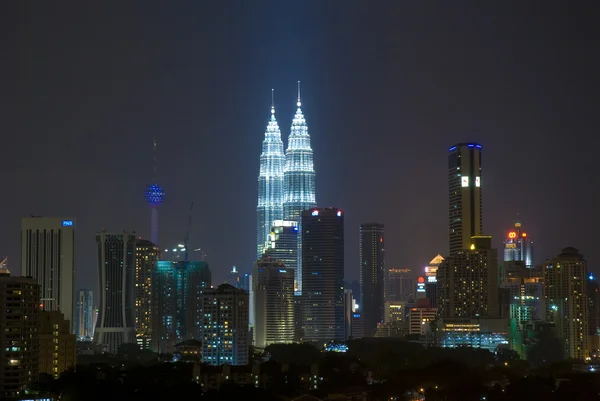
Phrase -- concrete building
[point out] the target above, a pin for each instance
(467, 282)
(399, 285)
(57, 344)
(116, 270)
(273, 292)
(372, 275)
(19, 336)
(565, 278)
(419, 318)
(464, 195)
(146, 256)
(48, 255)
(395, 311)
(84, 315)
(225, 334)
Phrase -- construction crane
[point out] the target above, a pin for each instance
(187, 234)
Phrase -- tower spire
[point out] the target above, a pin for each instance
(273, 101)
(154, 162)
(299, 103)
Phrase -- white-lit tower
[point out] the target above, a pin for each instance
(299, 178)
(270, 182)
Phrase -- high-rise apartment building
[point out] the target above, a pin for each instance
(273, 292)
(57, 344)
(225, 334)
(323, 274)
(518, 246)
(399, 285)
(431, 280)
(84, 315)
(19, 337)
(283, 245)
(270, 183)
(372, 272)
(565, 279)
(464, 187)
(176, 307)
(419, 318)
(116, 270)
(48, 255)
(146, 256)
(299, 178)
(467, 282)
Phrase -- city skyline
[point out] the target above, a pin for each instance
(409, 111)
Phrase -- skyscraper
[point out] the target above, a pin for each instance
(565, 284)
(84, 317)
(399, 285)
(225, 335)
(176, 308)
(323, 274)
(154, 195)
(273, 292)
(468, 282)
(299, 178)
(57, 344)
(146, 255)
(48, 255)
(431, 280)
(518, 246)
(270, 183)
(283, 245)
(372, 271)
(19, 319)
(464, 187)
(116, 270)
(233, 278)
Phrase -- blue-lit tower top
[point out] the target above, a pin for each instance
(270, 182)
(154, 195)
(299, 176)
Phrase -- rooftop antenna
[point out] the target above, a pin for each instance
(299, 104)
(272, 101)
(154, 162)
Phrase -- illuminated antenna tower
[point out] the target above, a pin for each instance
(154, 195)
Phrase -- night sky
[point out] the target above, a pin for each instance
(387, 87)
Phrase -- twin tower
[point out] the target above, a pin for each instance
(286, 182)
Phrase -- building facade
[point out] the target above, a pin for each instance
(273, 292)
(399, 285)
(464, 195)
(467, 282)
(146, 256)
(225, 335)
(419, 318)
(372, 273)
(565, 279)
(19, 319)
(518, 246)
(299, 178)
(57, 344)
(176, 306)
(283, 246)
(48, 255)
(84, 317)
(116, 270)
(270, 183)
(323, 275)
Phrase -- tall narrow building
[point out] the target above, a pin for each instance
(270, 183)
(299, 177)
(464, 187)
(116, 270)
(518, 246)
(283, 245)
(48, 255)
(84, 316)
(372, 272)
(146, 256)
(323, 275)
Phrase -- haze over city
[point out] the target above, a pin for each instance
(385, 94)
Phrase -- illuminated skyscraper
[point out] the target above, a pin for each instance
(299, 177)
(323, 275)
(146, 256)
(565, 285)
(283, 245)
(84, 315)
(464, 186)
(518, 246)
(270, 183)
(116, 270)
(48, 255)
(154, 195)
(372, 273)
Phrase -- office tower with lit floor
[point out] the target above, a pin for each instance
(273, 292)
(84, 315)
(48, 255)
(518, 246)
(116, 270)
(146, 256)
(323, 275)
(372, 273)
(565, 281)
(464, 187)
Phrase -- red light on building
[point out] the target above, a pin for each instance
(512, 235)
(524, 235)
(421, 279)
